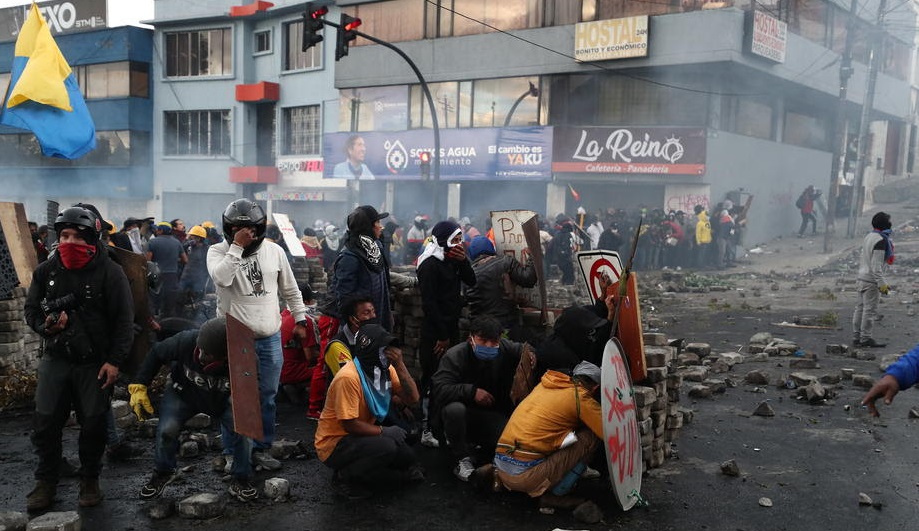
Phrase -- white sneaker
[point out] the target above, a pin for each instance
(229, 466)
(427, 439)
(464, 469)
(590, 473)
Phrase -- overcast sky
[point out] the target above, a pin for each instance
(120, 12)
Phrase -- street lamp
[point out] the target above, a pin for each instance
(532, 91)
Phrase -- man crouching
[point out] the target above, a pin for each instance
(351, 438)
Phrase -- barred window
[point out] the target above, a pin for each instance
(303, 130)
(197, 133)
(199, 53)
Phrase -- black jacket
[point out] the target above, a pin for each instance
(460, 373)
(488, 296)
(100, 327)
(440, 282)
(203, 392)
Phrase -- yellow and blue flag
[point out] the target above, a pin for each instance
(43, 95)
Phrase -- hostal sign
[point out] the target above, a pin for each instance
(617, 38)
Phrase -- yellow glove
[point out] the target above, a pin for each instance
(140, 402)
(884, 289)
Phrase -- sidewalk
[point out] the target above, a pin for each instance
(792, 255)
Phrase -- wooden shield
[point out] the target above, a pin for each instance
(243, 362)
(630, 333)
(135, 268)
(621, 440)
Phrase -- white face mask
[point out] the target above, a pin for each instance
(457, 232)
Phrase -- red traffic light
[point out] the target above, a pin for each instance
(319, 12)
(353, 24)
(424, 156)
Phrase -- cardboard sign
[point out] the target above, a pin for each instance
(621, 440)
(511, 239)
(289, 234)
(243, 365)
(593, 264)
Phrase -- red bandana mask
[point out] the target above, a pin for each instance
(76, 255)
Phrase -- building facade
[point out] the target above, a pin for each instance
(113, 69)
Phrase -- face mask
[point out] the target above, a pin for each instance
(450, 243)
(76, 255)
(484, 353)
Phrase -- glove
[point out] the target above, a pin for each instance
(884, 289)
(140, 402)
(393, 432)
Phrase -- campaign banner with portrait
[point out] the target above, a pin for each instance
(508, 153)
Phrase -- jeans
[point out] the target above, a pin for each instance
(270, 361)
(173, 413)
(808, 217)
(866, 310)
(112, 437)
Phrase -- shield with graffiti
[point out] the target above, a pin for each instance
(621, 440)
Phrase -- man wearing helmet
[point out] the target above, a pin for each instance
(80, 303)
(252, 276)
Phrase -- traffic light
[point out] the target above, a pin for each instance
(312, 25)
(424, 164)
(346, 33)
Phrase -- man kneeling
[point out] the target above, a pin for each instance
(351, 438)
(198, 383)
(551, 436)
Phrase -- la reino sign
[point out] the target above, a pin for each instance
(617, 38)
(648, 150)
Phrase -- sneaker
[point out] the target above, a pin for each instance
(871, 343)
(264, 461)
(347, 489)
(427, 439)
(90, 494)
(41, 497)
(229, 464)
(464, 469)
(590, 473)
(242, 490)
(157, 483)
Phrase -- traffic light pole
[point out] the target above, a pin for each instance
(427, 95)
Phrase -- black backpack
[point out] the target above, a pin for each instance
(801, 201)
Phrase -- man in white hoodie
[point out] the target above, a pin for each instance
(252, 277)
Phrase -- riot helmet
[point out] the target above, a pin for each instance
(83, 220)
(245, 213)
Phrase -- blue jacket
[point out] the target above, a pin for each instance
(906, 369)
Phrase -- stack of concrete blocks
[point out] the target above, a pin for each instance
(19, 345)
(124, 416)
(409, 313)
(657, 402)
(317, 277)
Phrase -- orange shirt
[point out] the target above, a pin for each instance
(344, 401)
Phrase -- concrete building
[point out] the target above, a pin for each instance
(113, 69)
(733, 100)
(241, 110)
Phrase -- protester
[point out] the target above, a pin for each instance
(351, 438)
(703, 237)
(193, 282)
(489, 296)
(178, 230)
(311, 245)
(252, 277)
(87, 329)
(330, 245)
(551, 437)
(876, 253)
(562, 249)
(471, 392)
(166, 251)
(442, 269)
(414, 240)
(199, 382)
(301, 354)
(805, 204)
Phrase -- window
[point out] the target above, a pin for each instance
(302, 130)
(199, 53)
(803, 129)
(113, 80)
(750, 116)
(447, 18)
(373, 109)
(637, 101)
(113, 148)
(452, 102)
(204, 133)
(262, 44)
(494, 99)
(394, 21)
(294, 56)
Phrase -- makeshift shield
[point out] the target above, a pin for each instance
(243, 364)
(621, 439)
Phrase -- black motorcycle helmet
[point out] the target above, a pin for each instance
(245, 213)
(83, 220)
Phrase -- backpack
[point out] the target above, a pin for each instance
(801, 201)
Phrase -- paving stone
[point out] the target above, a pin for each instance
(840, 350)
(120, 408)
(284, 449)
(719, 367)
(865, 355)
(656, 359)
(758, 358)
(15, 347)
(830, 379)
(148, 427)
(658, 418)
(887, 360)
(161, 508)
(643, 396)
(189, 449)
(674, 422)
(846, 374)
(764, 410)
(645, 426)
(13, 521)
(864, 499)
(688, 415)
(913, 413)
(655, 340)
(757, 377)
(814, 392)
(765, 502)
(674, 380)
(656, 374)
(702, 349)
(588, 512)
(688, 358)
(716, 385)
(756, 349)
(803, 363)
(731, 358)
(202, 440)
(695, 374)
(198, 422)
(126, 421)
(277, 489)
(64, 521)
(202, 506)
(730, 468)
(761, 338)
(802, 379)
(862, 380)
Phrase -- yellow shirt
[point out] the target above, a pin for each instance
(344, 401)
(540, 423)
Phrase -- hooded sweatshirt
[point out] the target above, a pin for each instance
(703, 229)
(541, 422)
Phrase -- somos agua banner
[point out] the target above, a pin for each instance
(512, 153)
(661, 150)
